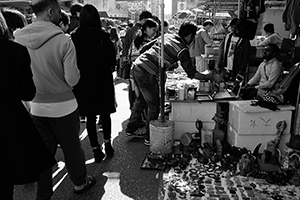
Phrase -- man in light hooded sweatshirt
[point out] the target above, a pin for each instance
(54, 107)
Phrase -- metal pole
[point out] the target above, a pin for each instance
(162, 79)
(239, 1)
(296, 113)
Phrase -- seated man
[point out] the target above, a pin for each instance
(266, 75)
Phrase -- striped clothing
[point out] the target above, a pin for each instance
(174, 50)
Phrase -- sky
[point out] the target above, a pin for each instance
(168, 6)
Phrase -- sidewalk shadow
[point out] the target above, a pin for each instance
(134, 182)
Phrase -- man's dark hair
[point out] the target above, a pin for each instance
(166, 24)
(42, 5)
(187, 28)
(208, 22)
(130, 25)
(269, 28)
(65, 18)
(145, 14)
(4, 34)
(75, 8)
(274, 47)
(233, 22)
(14, 18)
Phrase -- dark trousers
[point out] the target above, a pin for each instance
(131, 95)
(63, 131)
(147, 97)
(6, 191)
(249, 93)
(92, 131)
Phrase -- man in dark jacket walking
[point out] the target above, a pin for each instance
(234, 54)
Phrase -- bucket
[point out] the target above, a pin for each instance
(161, 136)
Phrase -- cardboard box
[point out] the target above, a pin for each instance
(255, 120)
(251, 141)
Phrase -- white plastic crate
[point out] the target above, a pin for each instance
(189, 111)
(255, 120)
(251, 141)
(183, 127)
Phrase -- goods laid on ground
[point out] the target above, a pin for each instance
(221, 171)
(200, 181)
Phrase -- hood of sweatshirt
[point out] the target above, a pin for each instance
(37, 34)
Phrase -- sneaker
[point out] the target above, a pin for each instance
(82, 119)
(109, 151)
(147, 142)
(90, 181)
(98, 155)
(136, 134)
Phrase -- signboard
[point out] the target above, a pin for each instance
(135, 6)
(119, 9)
(181, 6)
(98, 4)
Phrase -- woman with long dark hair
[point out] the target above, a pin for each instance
(95, 89)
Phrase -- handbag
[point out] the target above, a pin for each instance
(124, 70)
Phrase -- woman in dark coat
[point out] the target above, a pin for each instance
(95, 89)
(23, 152)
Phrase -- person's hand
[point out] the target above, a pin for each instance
(217, 78)
(245, 86)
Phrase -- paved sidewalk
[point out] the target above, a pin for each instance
(119, 178)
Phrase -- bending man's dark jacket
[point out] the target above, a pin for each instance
(129, 38)
(175, 50)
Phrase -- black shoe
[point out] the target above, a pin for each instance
(90, 181)
(98, 155)
(109, 151)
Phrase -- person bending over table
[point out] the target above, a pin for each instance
(145, 72)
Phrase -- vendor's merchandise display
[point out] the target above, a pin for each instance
(221, 171)
(199, 181)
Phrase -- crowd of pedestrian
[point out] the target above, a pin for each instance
(64, 71)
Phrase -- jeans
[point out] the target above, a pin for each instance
(147, 97)
(63, 131)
